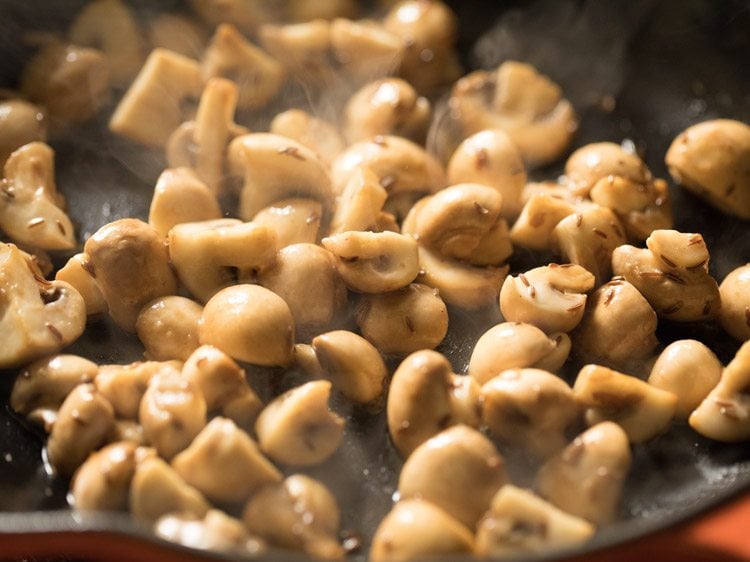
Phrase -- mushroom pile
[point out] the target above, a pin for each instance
(336, 254)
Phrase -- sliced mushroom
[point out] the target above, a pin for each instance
(618, 328)
(153, 106)
(551, 297)
(490, 158)
(712, 159)
(129, 260)
(689, 370)
(415, 529)
(177, 32)
(102, 483)
(224, 463)
(179, 197)
(21, 123)
(642, 410)
(74, 273)
(315, 133)
(426, 397)
(374, 262)
(211, 255)
(109, 25)
(257, 75)
(31, 210)
(734, 314)
(475, 464)
(295, 220)
(403, 321)
(297, 428)
(519, 522)
(216, 531)
(275, 168)
(157, 489)
(724, 415)
(38, 317)
(82, 424)
(223, 384)
(168, 328)
(588, 239)
(249, 323)
(245, 14)
(516, 345)
(299, 267)
(530, 409)
(586, 478)
(299, 513)
(389, 106)
(71, 82)
(594, 162)
(124, 385)
(354, 365)
(172, 412)
(360, 204)
(540, 215)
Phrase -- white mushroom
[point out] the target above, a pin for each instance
(124, 385)
(168, 328)
(216, 532)
(102, 482)
(179, 197)
(295, 220)
(596, 161)
(540, 215)
(734, 314)
(21, 123)
(315, 133)
(74, 273)
(360, 204)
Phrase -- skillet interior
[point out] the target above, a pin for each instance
(669, 64)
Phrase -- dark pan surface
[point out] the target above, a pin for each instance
(667, 64)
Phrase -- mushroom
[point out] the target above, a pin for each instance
(689, 370)
(211, 255)
(490, 157)
(540, 215)
(223, 384)
(258, 76)
(519, 522)
(724, 415)
(551, 297)
(39, 317)
(82, 424)
(202, 143)
(109, 25)
(21, 123)
(245, 14)
(734, 314)
(586, 478)
(179, 197)
(517, 99)
(297, 268)
(618, 327)
(177, 32)
(156, 489)
(74, 273)
(71, 82)
(102, 482)
(275, 168)
(216, 531)
(295, 220)
(360, 204)
(249, 323)
(31, 209)
(588, 239)
(601, 160)
(475, 464)
(168, 328)
(642, 410)
(118, 250)
(403, 321)
(315, 133)
(672, 274)
(389, 106)
(303, 10)
(374, 262)
(415, 529)
(354, 365)
(430, 30)
(127, 430)
(299, 513)
(530, 409)
(297, 428)
(172, 412)
(712, 159)
(426, 397)
(154, 105)
(304, 49)
(224, 463)
(306, 359)
(42, 386)
(516, 345)
(124, 385)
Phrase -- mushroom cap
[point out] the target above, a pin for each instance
(102, 482)
(734, 314)
(21, 122)
(592, 162)
(168, 327)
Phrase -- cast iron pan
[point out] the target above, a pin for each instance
(666, 64)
